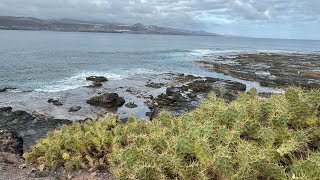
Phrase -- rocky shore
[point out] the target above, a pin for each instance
(269, 69)
(187, 96)
(30, 126)
(176, 93)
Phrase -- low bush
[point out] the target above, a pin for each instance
(249, 138)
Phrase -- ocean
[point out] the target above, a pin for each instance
(57, 61)
(44, 64)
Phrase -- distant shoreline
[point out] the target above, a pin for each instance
(34, 24)
(110, 32)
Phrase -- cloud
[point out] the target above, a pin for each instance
(247, 11)
(191, 14)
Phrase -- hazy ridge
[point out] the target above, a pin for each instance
(69, 25)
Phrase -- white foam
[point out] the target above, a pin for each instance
(79, 80)
(278, 51)
(262, 73)
(207, 52)
(201, 52)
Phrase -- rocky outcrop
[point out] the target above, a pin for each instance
(96, 81)
(108, 100)
(74, 109)
(131, 105)
(183, 98)
(55, 102)
(30, 127)
(269, 69)
(10, 142)
(154, 85)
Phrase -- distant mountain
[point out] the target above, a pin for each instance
(70, 25)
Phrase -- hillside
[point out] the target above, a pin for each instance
(69, 25)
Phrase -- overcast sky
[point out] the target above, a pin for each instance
(299, 19)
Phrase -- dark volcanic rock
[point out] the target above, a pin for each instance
(131, 105)
(10, 142)
(75, 109)
(5, 89)
(109, 100)
(6, 109)
(30, 127)
(183, 98)
(269, 69)
(97, 79)
(155, 85)
(55, 102)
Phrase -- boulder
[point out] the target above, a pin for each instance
(97, 79)
(131, 105)
(55, 102)
(75, 109)
(109, 100)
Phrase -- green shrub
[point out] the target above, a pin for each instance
(250, 138)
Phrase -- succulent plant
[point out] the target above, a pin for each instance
(249, 138)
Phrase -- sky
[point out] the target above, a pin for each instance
(288, 19)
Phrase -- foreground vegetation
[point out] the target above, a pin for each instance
(250, 138)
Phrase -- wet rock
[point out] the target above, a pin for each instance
(129, 90)
(55, 102)
(97, 79)
(109, 100)
(155, 85)
(186, 97)
(95, 85)
(269, 69)
(173, 91)
(6, 88)
(6, 109)
(131, 105)
(10, 142)
(75, 109)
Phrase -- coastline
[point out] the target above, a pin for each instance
(176, 93)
